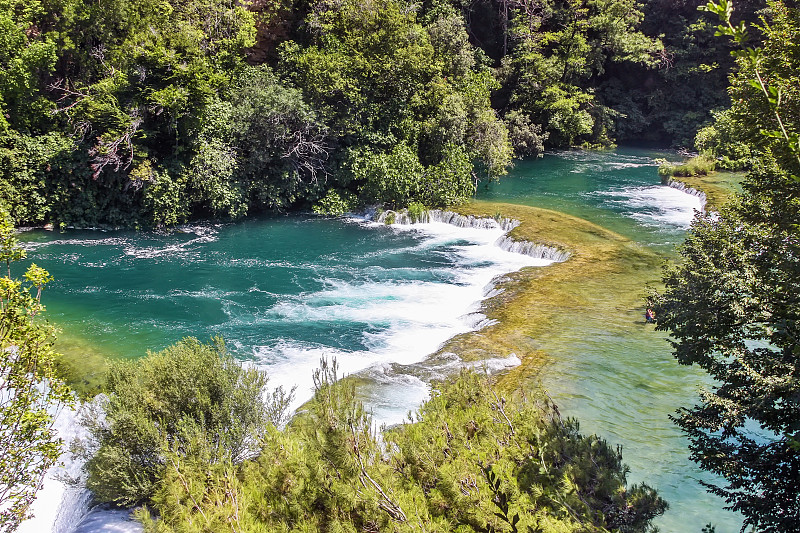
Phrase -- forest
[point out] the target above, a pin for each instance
(149, 113)
(140, 113)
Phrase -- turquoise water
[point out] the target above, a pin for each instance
(619, 190)
(613, 373)
(286, 291)
(283, 292)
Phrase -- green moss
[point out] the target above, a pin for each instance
(82, 366)
(537, 308)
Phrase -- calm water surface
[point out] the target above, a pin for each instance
(614, 373)
(286, 291)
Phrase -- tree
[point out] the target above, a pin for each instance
(400, 97)
(470, 461)
(30, 390)
(25, 55)
(732, 305)
(766, 89)
(559, 48)
(189, 400)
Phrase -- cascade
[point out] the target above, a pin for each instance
(688, 190)
(446, 217)
(532, 249)
(63, 504)
(504, 242)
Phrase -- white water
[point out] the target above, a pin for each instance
(62, 505)
(656, 205)
(689, 190)
(420, 315)
(415, 318)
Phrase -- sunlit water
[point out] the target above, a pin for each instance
(614, 373)
(285, 292)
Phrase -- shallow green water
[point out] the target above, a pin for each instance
(286, 291)
(614, 373)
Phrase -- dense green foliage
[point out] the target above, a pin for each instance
(700, 165)
(732, 305)
(30, 391)
(148, 113)
(764, 92)
(470, 460)
(191, 399)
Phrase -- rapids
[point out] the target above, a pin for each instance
(286, 291)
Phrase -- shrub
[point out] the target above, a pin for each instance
(722, 141)
(483, 460)
(471, 461)
(335, 203)
(188, 397)
(417, 211)
(700, 165)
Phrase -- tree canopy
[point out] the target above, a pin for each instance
(732, 305)
(141, 113)
(471, 460)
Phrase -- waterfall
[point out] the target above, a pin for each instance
(532, 249)
(504, 242)
(63, 504)
(689, 190)
(446, 217)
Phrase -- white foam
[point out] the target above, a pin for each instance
(62, 504)
(689, 190)
(407, 319)
(108, 241)
(656, 205)
(411, 319)
(103, 520)
(202, 234)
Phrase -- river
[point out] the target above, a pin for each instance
(286, 291)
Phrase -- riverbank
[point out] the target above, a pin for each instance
(284, 292)
(534, 308)
(578, 327)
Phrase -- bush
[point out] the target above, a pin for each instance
(189, 398)
(417, 211)
(471, 461)
(722, 142)
(494, 463)
(701, 165)
(335, 203)
(526, 138)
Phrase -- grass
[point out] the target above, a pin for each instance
(700, 165)
(539, 308)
